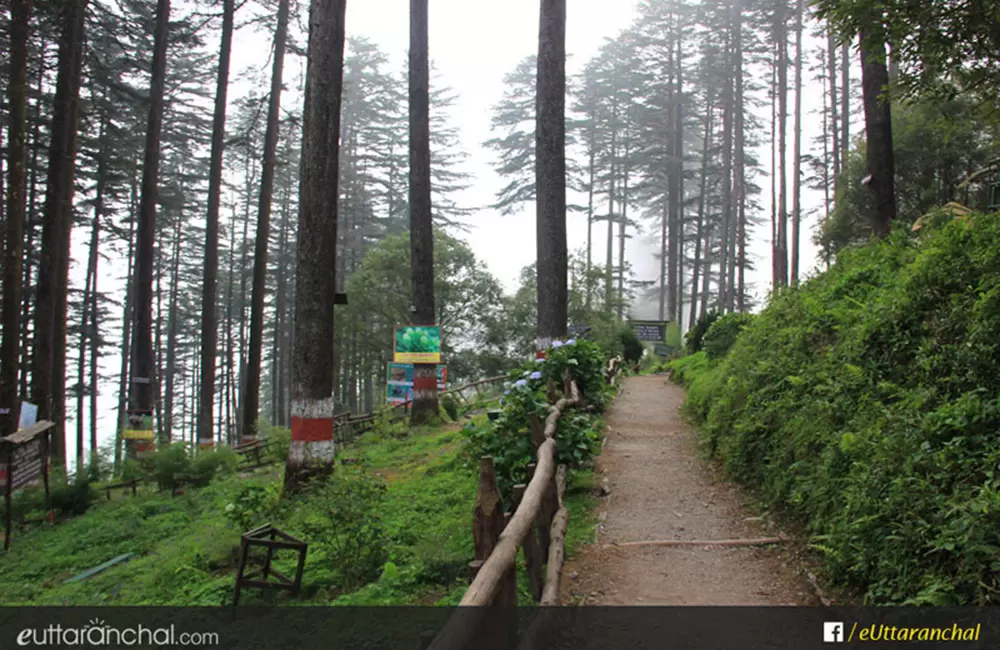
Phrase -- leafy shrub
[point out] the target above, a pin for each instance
(450, 406)
(170, 464)
(72, 497)
(632, 347)
(210, 463)
(132, 469)
(345, 522)
(279, 440)
(252, 505)
(867, 403)
(508, 439)
(722, 334)
(693, 339)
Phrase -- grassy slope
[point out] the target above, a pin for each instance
(867, 404)
(187, 549)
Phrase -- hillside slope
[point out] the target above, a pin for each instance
(867, 404)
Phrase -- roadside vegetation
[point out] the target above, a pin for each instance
(866, 403)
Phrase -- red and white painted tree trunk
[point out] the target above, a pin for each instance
(312, 448)
(312, 432)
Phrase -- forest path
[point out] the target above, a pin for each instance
(661, 488)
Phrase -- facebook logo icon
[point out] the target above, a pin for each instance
(833, 632)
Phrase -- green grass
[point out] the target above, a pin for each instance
(865, 404)
(187, 548)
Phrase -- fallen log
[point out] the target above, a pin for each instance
(762, 541)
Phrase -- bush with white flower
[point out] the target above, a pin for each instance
(508, 439)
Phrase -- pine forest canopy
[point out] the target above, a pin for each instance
(160, 159)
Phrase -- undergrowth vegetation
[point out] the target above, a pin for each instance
(867, 404)
(390, 527)
(578, 439)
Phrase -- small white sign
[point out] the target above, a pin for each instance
(29, 415)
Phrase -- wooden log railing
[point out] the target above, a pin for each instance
(537, 524)
(458, 392)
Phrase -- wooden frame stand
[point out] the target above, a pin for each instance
(272, 539)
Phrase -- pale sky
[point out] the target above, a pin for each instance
(473, 45)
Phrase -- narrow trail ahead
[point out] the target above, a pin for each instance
(662, 489)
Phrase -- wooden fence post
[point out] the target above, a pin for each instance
(541, 529)
(506, 603)
(532, 554)
(474, 568)
(537, 432)
(487, 516)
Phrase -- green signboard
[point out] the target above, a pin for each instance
(417, 344)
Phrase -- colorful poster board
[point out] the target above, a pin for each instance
(417, 344)
(399, 382)
(139, 425)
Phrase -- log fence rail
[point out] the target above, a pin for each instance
(535, 524)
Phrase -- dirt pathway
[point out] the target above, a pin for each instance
(662, 489)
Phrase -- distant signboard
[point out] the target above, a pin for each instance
(663, 350)
(399, 384)
(25, 462)
(650, 330)
(417, 344)
(577, 330)
(139, 425)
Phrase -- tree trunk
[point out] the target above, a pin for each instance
(706, 144)
(739, 174)
(14, 220)
(141, 394)
(123, 382)
(88, 333)
(678, 184)
(32, 221)
(172, 318)
(251, 409)
(95, 348)
(281, 307)
(425, 400)
(50, 304)
(158, 350)
(230, 347)
(845, 105)
(590, 223)
(612, 177)
(209, 309)
(774, 176)
(550, 173)
(831, 73)
(621, 234)
(312, 447)
(725, 287)
(781, 38)
(797, 148)
(878, 131)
